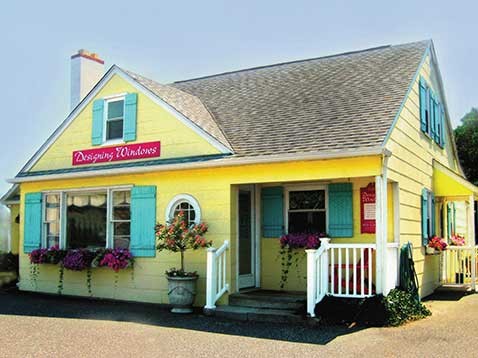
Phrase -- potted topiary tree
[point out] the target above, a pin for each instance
(178, 236)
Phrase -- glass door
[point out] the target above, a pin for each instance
(246, 237)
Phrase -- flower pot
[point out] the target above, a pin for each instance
(181, 292)
(431, 251)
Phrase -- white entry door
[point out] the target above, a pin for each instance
(246, 237)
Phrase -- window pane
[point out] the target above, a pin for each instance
(310, 222)
(121, 242)
(52, 241)
(52, 214)
(52, 199)
(121, 229)
(307, 199)
(188, 210)
(121, 205)
(121, 213)
(86, 223)
(115, 109)
(114, 129)
(121, 198)
(53, 228)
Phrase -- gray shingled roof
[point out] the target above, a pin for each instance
(185, 103)
(341, 102)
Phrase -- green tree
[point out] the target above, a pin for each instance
(466, 137)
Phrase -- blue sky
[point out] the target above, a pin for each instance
(177, 40)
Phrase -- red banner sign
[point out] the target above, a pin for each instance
(117, 153)
(367, 209)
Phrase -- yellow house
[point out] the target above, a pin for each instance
(357, 147)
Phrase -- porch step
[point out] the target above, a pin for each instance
(259, 314)
(265, 306)
(294, 301)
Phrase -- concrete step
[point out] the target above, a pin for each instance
(269, 300)
(259, 314)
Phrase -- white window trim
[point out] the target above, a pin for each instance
(110, 219)
(183, 198)
(63, 193)
(305, 187)
(44, 238)
(115, 98)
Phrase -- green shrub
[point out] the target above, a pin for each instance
(402, 307)
(8, 261)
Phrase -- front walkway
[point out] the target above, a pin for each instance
(41, 326)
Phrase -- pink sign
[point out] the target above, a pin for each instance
(117, 153)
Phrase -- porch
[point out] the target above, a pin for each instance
(351, 265)
(456, 212)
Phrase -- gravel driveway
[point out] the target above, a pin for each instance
(35, 325)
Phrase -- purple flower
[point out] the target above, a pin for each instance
(301, 240)
(77, 260)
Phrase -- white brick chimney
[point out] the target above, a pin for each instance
(86, 70)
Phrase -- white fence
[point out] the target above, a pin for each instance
(460, 266)
(341, 270)
(216, 274)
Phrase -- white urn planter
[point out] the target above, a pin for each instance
(182, 292)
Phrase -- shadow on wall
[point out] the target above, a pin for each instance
(13, 302)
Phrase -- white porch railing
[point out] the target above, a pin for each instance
(460, 266)
(341, 270)
(216, 274)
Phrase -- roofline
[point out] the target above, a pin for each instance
(285, 63)
(429, 51)
(445, 103)
(404, 99)
(4, 198)
(116, 70)
(214, 163)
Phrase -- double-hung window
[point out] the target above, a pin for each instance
(306, 211)
(120, 218)
(114, 119)
(87, 219)
(51, 220)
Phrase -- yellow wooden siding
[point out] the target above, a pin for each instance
(271, 262)
(215, 191)
(14, 233)
(410, 165)
(153, 123)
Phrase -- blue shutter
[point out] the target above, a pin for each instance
(130, 113)
(32, 222)
(143, 221)
(98, 121)
(423, 105)
(340, 210)
(425, 233)
(432, 114)
(437, 121)
(443, 128)
(272, 199)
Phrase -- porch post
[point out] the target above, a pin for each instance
(311, 282)
(381, 213)
(378, 235)
(446, 236)
(211, 279)
(471, 238)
